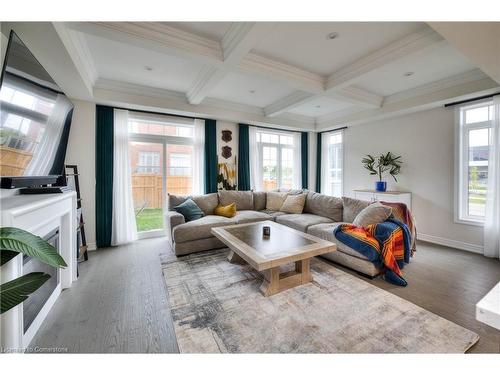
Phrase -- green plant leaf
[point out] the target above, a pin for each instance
(21, 241)
(7, 255)
(16, 291)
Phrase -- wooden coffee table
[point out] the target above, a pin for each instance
(267, 254)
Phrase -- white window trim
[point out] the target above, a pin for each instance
(164, 141)
(279, 147)
(324, 166)
(461, 168)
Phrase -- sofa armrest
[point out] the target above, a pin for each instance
(172, 219)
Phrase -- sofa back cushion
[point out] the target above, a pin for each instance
(324, 205)
(206, 202)
(275, 200)
(373, 214)
(294, 204)
(243, 199)
(352, 207)
(259, 200)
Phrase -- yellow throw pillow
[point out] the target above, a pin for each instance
(226, 211)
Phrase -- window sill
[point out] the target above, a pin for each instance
(472, 222)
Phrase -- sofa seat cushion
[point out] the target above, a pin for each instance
(199, 229)
(248, 216)
(273, 214)
(301, 221)
(325, 232)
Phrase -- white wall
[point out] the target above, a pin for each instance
(81, 151)
(426, 142)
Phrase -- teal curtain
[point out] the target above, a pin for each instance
(304, 153)
(318, 163)
(244, 158)
(104, 132)
(211, 167)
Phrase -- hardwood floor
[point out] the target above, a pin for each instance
(119, 303)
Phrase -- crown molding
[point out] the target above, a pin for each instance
(421, 98)
(401, 48)
(357, 96)
(148, 98)
(78, 49)
(156, 36)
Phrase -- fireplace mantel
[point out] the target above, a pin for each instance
(38, 214)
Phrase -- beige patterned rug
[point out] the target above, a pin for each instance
(217, 307)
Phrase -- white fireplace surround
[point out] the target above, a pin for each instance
(38, 214)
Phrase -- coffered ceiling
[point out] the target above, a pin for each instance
(301, 74)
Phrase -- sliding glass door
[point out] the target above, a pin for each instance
(162, 157)
(148, 181)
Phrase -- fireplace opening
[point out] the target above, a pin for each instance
(36, 300)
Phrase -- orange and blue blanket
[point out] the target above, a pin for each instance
(386, 245)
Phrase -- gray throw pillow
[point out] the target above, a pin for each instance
(373, 214)
(352, 207)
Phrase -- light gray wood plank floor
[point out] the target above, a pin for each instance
(119, 303)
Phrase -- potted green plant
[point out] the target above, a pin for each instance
(15, 241)
(384, 163)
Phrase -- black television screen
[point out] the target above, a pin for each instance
(35, 118)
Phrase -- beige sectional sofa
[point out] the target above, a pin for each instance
(321, 215)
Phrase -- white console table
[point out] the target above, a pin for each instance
(387, 196)
(488, 309)
(40, 215)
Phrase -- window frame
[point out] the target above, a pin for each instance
(165, 141)
(325, 167)
(462, 152)
(279, 147)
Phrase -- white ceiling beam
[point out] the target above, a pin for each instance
(358, 96)
(236, 44)
(156, 36)
(287, 103)
(410, 44)
(459, 87)
(295, 77)
(77, 47)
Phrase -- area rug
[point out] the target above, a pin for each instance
(217, 308)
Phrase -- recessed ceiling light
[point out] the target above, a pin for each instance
(251, 91)
(332, 35)
(409, 74)
(148, 68)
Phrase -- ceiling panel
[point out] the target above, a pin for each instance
(320, 106)
(429, 65)
(251, 90)
(305, 44)
(211, 30)
(127, 63)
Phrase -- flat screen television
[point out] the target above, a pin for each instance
(35, 119)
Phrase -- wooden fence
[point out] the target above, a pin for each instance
(147, 188)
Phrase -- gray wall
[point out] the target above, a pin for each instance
(426, 142)
(81, 151)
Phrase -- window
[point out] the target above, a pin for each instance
(332, 163)
(278, 156)
(149, 162)
(180, 164)
(162, 153)
(474, 123)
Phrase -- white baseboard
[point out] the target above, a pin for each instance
(478, 249)
(91, 246)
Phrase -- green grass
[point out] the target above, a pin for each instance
(149, 219)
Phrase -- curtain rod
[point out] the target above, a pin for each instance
(332, 130)
(471, 100)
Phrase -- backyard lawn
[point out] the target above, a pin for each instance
(149, 219)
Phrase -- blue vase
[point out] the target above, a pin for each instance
(380, 186)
